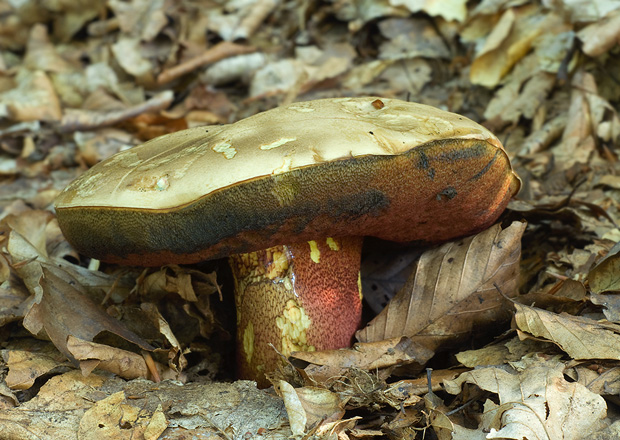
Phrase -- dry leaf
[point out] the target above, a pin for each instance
(115, 418)
(605, 276)
(598, 38)
(337, 428)
(27, 362)
(411, 38)
(449, 10)
(33, 99)
(121, 362)
(307, 407)
(509, 41)
(70, 60)
(577, 140)
(41, 53)
(501, 353)
(452, 290)
(535, 402)
(579, 337)
(369, 355)
(600, 378)
(64, 311)
(611, 304)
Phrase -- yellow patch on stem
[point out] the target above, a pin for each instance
(293, 324)
(248, 342)
(278, 266)
(333, 244)
(359, 285)
(315, 254)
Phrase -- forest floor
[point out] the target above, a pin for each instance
(527, 347)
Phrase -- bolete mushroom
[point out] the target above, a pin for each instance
(288, 194)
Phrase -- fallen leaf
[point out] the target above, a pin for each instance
(455, 287)
(509, 41)
(578, 336)
(605, 276)
(369, 355)
(115, 360)
(600, 378)
(65, 311)
(197, 410)
(116, 418)
(535, 402)
(449, 10)
(501, 353)
(27, 363)
(309, 407)
(601, 36)
(33, 99)
(337, 428)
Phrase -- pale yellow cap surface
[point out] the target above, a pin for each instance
(179, 168)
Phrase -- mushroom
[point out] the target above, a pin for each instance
(288, 194)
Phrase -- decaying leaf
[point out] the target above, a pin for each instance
(27, 362)
(601, 36)
(501, 353)
(453, 289)
(309, 407)
(123, 363)
(369, 355)
(113, 418)
(535, 401)
(64, 311)
(580, 337)
(605, 277)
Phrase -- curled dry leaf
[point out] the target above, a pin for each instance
(601, 36)
(509, 41)
(34, 98)
(369, 355)
(453, 290)
(611, 304)
(605, 276)
(578, 336)
(110, 418)
(534, 403)
(307, 407)
(28, 360)
(65, 311)
(123, 363)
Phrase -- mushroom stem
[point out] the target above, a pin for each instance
(300, 297)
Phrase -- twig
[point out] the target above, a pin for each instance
(77, 120)
(222, 50)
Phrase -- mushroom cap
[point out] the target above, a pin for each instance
(350, 166)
